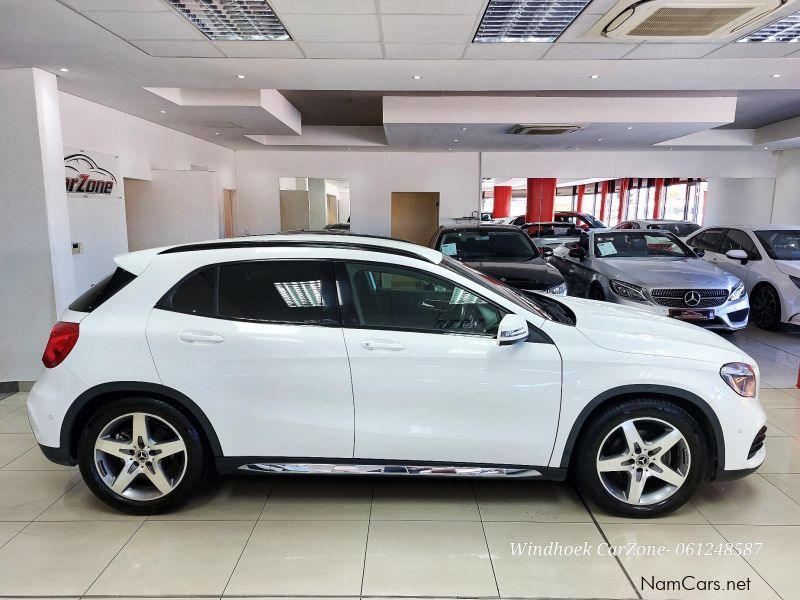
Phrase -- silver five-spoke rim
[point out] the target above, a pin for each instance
(643, 461)
(140, 456)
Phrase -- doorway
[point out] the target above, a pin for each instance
(415, 216)
(228, 212)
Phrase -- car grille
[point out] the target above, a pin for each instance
(674, 298)
(758, 442)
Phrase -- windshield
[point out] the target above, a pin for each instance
(556, 230)
(497, 286)
(781, 244)
(478, 245)
(639, 244)
(679, 229)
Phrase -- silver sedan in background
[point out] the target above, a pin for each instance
(655, 270)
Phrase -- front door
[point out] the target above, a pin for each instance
(735, 239)
(258, 347)
(430, 382)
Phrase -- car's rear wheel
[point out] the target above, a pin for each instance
(641, 458)
(142, 455)
(765, 308)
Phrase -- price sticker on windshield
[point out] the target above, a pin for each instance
(606, 248)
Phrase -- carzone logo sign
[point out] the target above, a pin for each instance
(85, 176)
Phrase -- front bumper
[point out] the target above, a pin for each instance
(731, 316)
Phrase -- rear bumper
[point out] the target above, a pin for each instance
(734, 474)
(60, 456)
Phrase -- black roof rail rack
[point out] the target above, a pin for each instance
(222, 245)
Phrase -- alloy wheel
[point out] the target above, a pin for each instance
(764, 307)
(643, 461)
(140, 456)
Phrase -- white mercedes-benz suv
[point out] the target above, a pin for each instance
(340, 354)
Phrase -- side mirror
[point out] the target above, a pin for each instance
(577, 252)
(512, 328)
(546, 251)
(700, 252)
(737, 255)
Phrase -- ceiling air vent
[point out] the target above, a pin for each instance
(533, 129)
(680, 19)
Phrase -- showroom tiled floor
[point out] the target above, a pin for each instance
(349, 538)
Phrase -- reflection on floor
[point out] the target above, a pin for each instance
(283, 537)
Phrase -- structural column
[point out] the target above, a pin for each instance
(541, 199)
(579, 203)
(623, 199)
(502, 201)
(35, 247)
(603, 200)
(658, 198)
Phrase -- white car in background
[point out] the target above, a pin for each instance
(681, 229)
(767, 259)
(344, 354)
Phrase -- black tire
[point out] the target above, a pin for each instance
(596, 292)
(585, 472)
(193, 471)
(765, 308)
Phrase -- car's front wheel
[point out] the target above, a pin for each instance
(765, 308)
(141, 455)
(640, 458)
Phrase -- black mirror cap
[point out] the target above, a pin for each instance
(546, 251)
(577, 251)
(700, 252)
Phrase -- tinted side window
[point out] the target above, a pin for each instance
(709, 240)
(300, 292)
(397, 298)
(102, 291)
(739, 240)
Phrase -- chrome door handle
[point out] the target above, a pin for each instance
(200, 337)
(390, 346)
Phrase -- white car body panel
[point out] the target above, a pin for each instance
(285, 390)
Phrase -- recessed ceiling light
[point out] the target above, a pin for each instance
(775, 75)
(455, 140)
(416, 77)
(64, 70)
(782, 30)
(450, 149)
(464, 128)
(163, 112)
(240, 77)
(594, 76)
(765, 148)
(216, 133)
(629, 127)
(599, 139)
(223, 20)
(527, 20)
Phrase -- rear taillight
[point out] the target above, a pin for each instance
(61, 342)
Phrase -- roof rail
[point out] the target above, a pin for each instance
(348, 245)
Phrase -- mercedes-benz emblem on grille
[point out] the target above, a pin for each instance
(691, 298)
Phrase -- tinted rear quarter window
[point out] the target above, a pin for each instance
(102, 291)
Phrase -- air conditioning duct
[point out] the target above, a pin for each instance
(681, 19)
(534, 129)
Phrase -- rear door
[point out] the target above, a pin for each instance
(259, 347)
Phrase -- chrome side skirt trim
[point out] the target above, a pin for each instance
(352, 469)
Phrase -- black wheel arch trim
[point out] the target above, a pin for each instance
(134, 387)
(652, 389)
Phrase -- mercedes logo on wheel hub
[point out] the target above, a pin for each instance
(691, 298)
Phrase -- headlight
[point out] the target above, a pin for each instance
(558, 289)
(627, 290)
(737, 292)
(740, 377)
(795, 280)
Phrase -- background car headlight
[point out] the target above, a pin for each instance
(737, 292)
(740, 377)
(559, 289)
(626, 290)
(795, 280)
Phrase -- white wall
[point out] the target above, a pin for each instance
(35, 256)
(373, 177)
(786, 210)
(175, 207)
(737, 201)
(98, 224)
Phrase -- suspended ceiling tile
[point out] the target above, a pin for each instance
(179, 48)
(432, 7)
(425, 51)
(755, 50)
(338, 7)
(126, 5)
(333, 28)
(515, 51)
(588, 51)
(132, 25)
(258, 49)
(428, 28)
(655, 50)
(343, 50)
